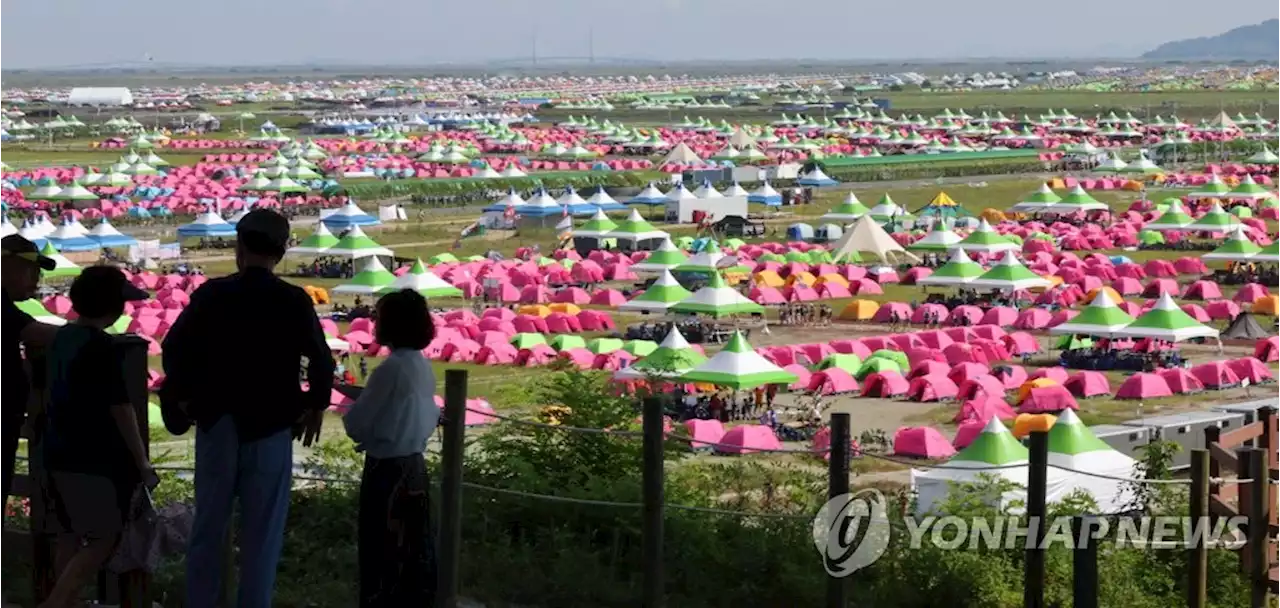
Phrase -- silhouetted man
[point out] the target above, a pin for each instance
(231, 362)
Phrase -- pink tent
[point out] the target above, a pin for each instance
(1215, 374)
(815, 352)
(966, 433)
(1055, 373)
(580, 358)
(1248, 368)
(563, 323)
(927, 367)
(608, 297)
(1197, 312)
(1062, 316)
(1087, 384)
(822, 444)
(538, 354)
(1250, 292)
(747, 439)
(1053, 398)
(983, 408)
(832, 381)
(1180, 380)
(981, 386)
(1127, 286)
(966, 311)
(886, 311)
(932, 388)
(613, 361)
(936, 312)
(59, 305)
(460, 351)
(1202, 290)
(1158, 287)
(935, 339)
(475, 415)
(921, 442)
(530, 324)
(1222, 309)
(501, 314)
(963, 371)
(1018, 343)
(851, 347)
(884, 384)
(495, 354)
(765, 296)
(1032, 318)
(1144, 386)
(704, 433)
(802, 374)
(594, 320)
(1267, 350)
(1000, 316)
(571, 295)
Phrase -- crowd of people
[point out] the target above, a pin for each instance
(91, 473)
(326, 267)
(811, 315)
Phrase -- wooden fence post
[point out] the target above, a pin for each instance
(1259, 524)
(838, 485)
(1037, 482)
(652, 487)
(448, 563)
(1198, 555)
(1084, 561)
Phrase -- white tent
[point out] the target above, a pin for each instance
(867, 236)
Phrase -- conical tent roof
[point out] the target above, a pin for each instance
(316, 242)
(1264, 157)
(636, 228)
(663, 294)
(1043, 198)
(1009, 274)
(959, 270)
(1102, 317)
(38, 312)
(847, 211)
(1143, 165)
(708, 261)
(671, 359)
(717, 299)
(1237, 247)
(62, 266)
(1165, 321)
(740, 367)
(423, 281)
(1069, 436)
(940, 238)
(356, 245)
(1249, 189)
(886, 209)
(1214, 188)
(868, 236)
(597, 226)
(667, 255)
(373, 276)
(995, 445)
(1173, 218)
(1215, 220)
(1078, 200)
(1270, 253)
(1073, 447)
(75, 192)
(986, 239)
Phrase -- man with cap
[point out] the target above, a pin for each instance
(20, 269)
(231, 364)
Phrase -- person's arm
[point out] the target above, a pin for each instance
(182, 347)
(320, 363)
(379, 392)
(110, 383)
(36, 334)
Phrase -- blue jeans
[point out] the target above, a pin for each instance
(260, 474)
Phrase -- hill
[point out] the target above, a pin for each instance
(1258, 41)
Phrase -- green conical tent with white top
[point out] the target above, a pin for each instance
(1074, 453)
(959, 270)
(1249, 190)
(663, 294)
(1009, 274)
(371, 279)
(1112, 164)
(1264, 157)
(1041, 199)
(1269, 254)
(673, 358)
(1214, 188)
(941, 238)
(985, 239)
(885, 209)
(38, 312)
(597, 227)
(665, 257)
(423, 281)
(708, 261)
(1236, 248)
(636, 229)
(356, 244)
(1165, 321)
(717, 299)
(1077, 200)
(316, 243)
(739, 367)
(994, 447)
(75, 192)
(1173, 218)
(1143, 166)
(62, 268)
(1214, 220)
(1102, 318)
(847, 211)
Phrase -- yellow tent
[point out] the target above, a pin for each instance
(1025, 389)
(943, 200)
(993, 216)
(769, 278)
(859, 310)
(1025, 424)
(1267, 305)
(534, 309)
(1056, 184)
(566, 308)
(1093, 293)
(833, 278)
(804, 278)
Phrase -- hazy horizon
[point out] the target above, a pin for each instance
(401, 33)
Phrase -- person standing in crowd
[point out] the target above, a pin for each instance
(262, 327)
(390, 422)
(94, 458)
(21, 264)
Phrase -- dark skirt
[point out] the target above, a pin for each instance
(396, 548)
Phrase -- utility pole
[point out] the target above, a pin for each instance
(535, 47)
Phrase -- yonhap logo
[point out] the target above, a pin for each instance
(836, 531)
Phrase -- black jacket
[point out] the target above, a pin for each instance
(238, 348)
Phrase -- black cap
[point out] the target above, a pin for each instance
(102, 287)
(264, 232)
(16, 245)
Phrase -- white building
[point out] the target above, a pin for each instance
(100, 96)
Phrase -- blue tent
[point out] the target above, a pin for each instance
(765, 195)
(139, 212)
(799, 232)
(816, 178)
(649, 196)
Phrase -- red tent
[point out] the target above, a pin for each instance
(1180, 380)
(966, 433)
(747, 439)
(1144, 386)
(1019, 342)
(921, 442)
(802, 374)
(932, 388)
(1088, 384)
(704, 433)
(1055, 373)
(1202, 290)
(831, 381)
(964, 371)
(1250, 292)
(1052, 398)
(1012, 376)
(1267, 350)
(928, 366)
(983, 408)
(981, 386)
(884, 384)
(1248, 368)
(1215, 374)
(538, 354)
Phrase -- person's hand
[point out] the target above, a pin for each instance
(150, 478)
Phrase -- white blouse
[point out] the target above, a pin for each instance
(396, 413)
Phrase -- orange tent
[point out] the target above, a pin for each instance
(803, 278)
(1093, 293)
(1025, 424)
(1056, 184)
(566, 308)
(768, 278)
(831, 277)
(1267, 305)
(534, 309)
(859, 310)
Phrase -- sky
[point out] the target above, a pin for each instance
(92, 33)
